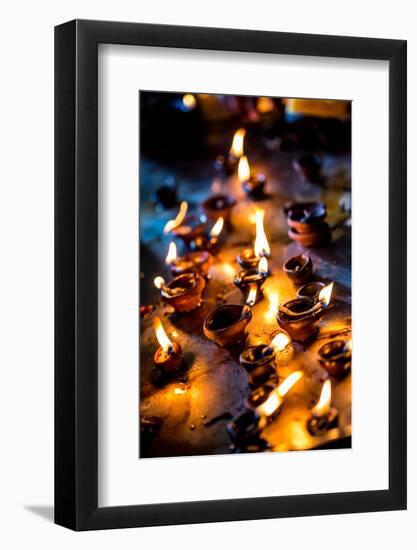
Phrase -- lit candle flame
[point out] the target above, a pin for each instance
(177, 221)
(172, 253)
(271, 312)
(243, 169)
(323, 405)
(325, 294)
(263, 265)
(159, 282)
(275, 400)
(280, 341)
(237, 144)
(189, 101)
(261, 246)
(217, 228)
(161, 335)
(251, 299)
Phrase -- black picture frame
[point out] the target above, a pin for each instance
(76, 271)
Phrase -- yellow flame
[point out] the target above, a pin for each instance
(271, 312)
(326, 294)
(280, 341)
(237, 144)
(177, 221)
(243, 169)
(275, 400)
(189, 101)
(161, 335)
(263, 265)
(217, 228)
(172, 253)
(261, 246)
(159, 282)
(253, 290)
(179, 391)
(323, 404)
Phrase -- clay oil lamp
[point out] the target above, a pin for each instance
(299, 317)
(168, 357)
(336, 357)
(311, 291)
(252, 184)
(249, 257)
(187, 228)
(229, 162)
(251, 281)
(308, 167)
(210, 242)
(259, 361)
(199, 261)
(306, 223)
(183, 293)
(323, 416)
(218, 206)
(226, 324)
(299, 268)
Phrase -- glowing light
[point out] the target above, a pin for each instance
(189, 101)
(159, 282)
(348, 345)
(261, 246)
(172, 253)
(161, 335)
(271, 312)
(253, 290)
(323, 404)
(275, 400)
(243, 169)
(326, 294)
(264, 105)
(217, 228)
(237, 144)
(179, 391)
(280, 341)
(177, 221)
(263, 265)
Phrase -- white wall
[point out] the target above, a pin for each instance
(26, 274)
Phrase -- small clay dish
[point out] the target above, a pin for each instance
(168, 361)
(299, 318)
(310, 290)
(194, 261)
(226, 324)
(335, 357)
(245, 279)
(320, 234)
(191, 228)
(244, 427)
(184, 292)
(299, 268)
(218, 206)
(304, 217)
(256, 356)
(319, 425)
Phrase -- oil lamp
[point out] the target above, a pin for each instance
(183, 293)
(306, 223)
(300, 317)
(259, 361)
(252, 184)
(299, 268)
(210, 242)
(336, 357)
(249, 258)
(310, 291)
(251, 280)
(226, 324)
(323, 416)
(168, 357)
(218, 206)
(229, 163)
(199, 261)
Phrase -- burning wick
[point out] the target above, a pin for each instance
(261, 246)
(193, 262)
(253, 290)
(168, 357)
(236, 149)
(172, 253)
(323, 416)
(275, 399)
(159, 282)
(263, 266)
(280, 341)
(325, 294)
(177, 221)
(217, 228)
(253, 185)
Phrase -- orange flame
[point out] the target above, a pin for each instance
(253, 290)
(243, 169)
(323, 405)
(237, 144)
(326, 294)
(179, 391)
(274, 401)
(159, 282)
(177, 221)
(217, 228)
(280, 341)
(172, 253)
(161, 335)
(261, 246)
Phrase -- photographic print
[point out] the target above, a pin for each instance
(245, 274)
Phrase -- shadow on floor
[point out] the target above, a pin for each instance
(45, 512)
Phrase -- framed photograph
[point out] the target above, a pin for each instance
(230, 275)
